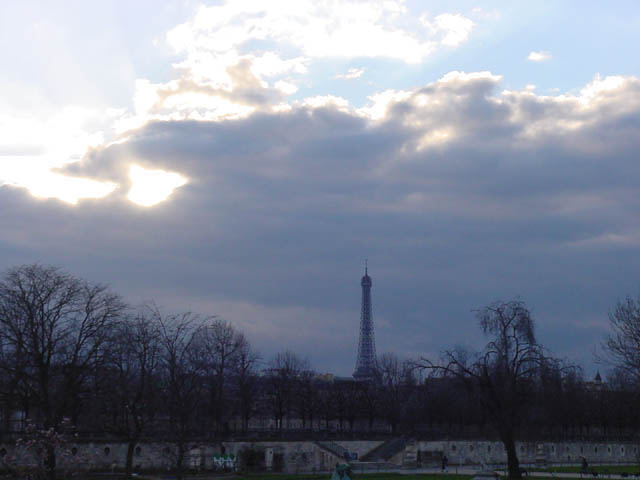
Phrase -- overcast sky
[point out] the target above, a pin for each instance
(242, 159)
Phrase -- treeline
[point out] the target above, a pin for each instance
(74, 355)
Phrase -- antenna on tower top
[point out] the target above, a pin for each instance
(365, 266)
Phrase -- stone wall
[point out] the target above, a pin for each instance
(304, 456)
(112, 456)
(307, 456)
(463, 452)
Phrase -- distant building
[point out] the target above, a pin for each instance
(596, 385)
(366, 362)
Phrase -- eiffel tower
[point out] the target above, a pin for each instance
(366, 362)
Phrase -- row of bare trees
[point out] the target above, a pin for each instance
(74, 352)
(170, 370)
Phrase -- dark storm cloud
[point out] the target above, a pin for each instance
(459, 195)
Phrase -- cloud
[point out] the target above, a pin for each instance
(484, 191)
(539, 56)
(616, 240)
(320, 101)
(236, 59)
(453, 29)
(461, 112)
(458, 192)
(316, 29)
(248, 55)
(351, 74)
(379, 103)
(270, 190)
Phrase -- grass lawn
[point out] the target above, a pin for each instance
(601, 469)
(356, 476)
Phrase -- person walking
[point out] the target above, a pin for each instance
(445, 464)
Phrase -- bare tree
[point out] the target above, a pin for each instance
(14, 395)
(181, 377)
(282, 375)
(245, 383)
(622, 346)
(306, 398)
(58, 326)
(369, 400)
(349, 395)
(217, 346)
(396, 380)
(128, 401)
(503, 374)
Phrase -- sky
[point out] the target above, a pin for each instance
(243, 158)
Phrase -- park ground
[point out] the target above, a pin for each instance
(561, 472)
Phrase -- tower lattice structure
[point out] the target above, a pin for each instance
(366, 362)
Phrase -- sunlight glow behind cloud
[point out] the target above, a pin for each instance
(41, 182)
(31, 148)
(238, 58)
(150, 187)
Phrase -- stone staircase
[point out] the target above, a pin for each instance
(387, 450)
(333, 448)
(410, 459)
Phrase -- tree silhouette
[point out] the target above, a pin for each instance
(503, 375)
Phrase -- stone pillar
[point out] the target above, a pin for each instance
(268, 458)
